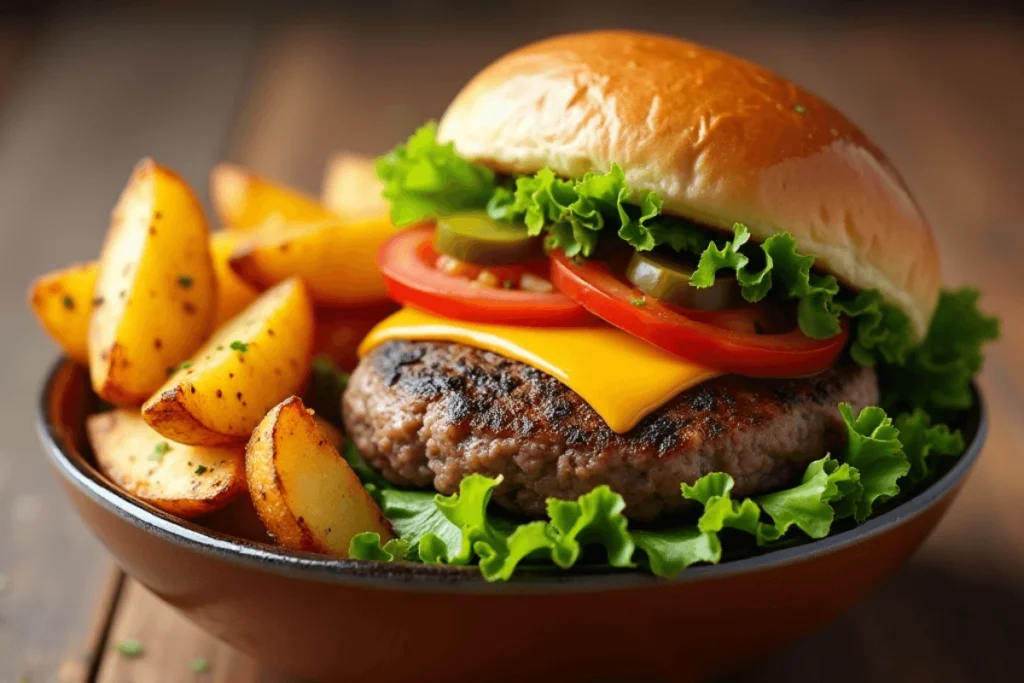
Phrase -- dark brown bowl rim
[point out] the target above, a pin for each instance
(432, 578)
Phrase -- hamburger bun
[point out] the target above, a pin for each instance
(720, 139)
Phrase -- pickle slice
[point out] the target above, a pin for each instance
(477, 238)
(669, 280)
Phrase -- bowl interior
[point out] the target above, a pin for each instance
(67, 399)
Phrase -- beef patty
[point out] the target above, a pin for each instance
(430, 413)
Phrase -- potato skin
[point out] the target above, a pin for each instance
(336, 259)
(185, 481)
(244, 200)
(62, 302)
(304, 492)
(155, 291)
(254, 361)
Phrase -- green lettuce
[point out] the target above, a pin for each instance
(921, 440)
(572, 213)
(367, 546)
(423, 179)
(811, 505)
(936, 375)
(458, 528)
(873, 447)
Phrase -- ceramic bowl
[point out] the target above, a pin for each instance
(336, 620)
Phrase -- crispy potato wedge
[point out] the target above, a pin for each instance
(336, 260)
(244, 200)
(62, 301)
(186, 481)
(155, 292)
(304, 491)
(233, 293)
(250, 364)
(339, 331)
(352, 189)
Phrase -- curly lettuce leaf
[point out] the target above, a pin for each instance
(593, 519)
(936, 375)
(367, 546)
(809, 506)
(921, 440)
(572, 213)
(424, 178)
(720, 511)
(874, 449)
(416, 519)
(670, 551)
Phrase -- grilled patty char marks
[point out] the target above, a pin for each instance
(430, 413)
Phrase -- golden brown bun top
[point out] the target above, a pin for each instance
(720, 139)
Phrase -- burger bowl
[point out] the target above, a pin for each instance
(340, 620)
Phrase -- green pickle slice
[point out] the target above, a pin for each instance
(477, 238)
(668, 280)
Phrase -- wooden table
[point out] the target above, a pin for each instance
(85, 96)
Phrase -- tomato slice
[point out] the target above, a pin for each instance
(407, 263)
(716, 339)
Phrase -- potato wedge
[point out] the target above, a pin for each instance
(304, 491)
(352, 189)
(62, 301)
(244, 200)
(253, 362)
(233, 293)
(339, 331)
(183, 480)
(155, 292)
(336, 260)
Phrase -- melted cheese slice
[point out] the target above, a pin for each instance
(620, 376)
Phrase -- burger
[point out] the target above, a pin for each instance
(659, 301)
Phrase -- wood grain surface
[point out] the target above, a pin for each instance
(943, 100)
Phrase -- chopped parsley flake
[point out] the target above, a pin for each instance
(638, 301)
(800, 109)
(159, 451)
(241, 347)
(69, 303)
(199, 665)
(131, 649)
(201, 469)
(185, 281)
(508, 284)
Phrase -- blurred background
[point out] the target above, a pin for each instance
(87, 88)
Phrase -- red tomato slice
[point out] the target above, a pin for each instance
(716, 339)
(407, 263)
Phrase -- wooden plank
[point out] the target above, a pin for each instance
(97, 92)
(952, 613)
(172, 645)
